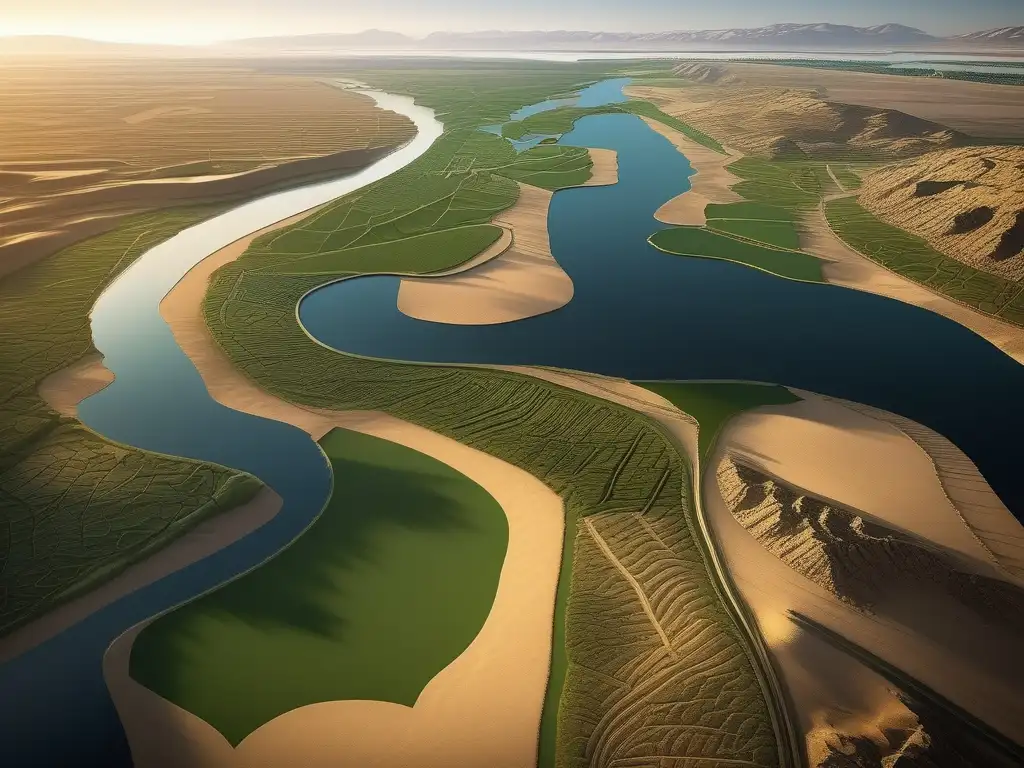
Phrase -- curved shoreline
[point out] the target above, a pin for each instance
(63, 390)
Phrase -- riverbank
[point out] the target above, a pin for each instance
(63, 390)
(711, 181)
(846, 267)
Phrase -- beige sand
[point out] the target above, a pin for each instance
(850, 269)
(66, 388)
(523, 281)
(711, 182)
(202, 541)
(930, 637)
(484, 708)
(605, 170)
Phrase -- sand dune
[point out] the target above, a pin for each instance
(523, 281)
(605, 170)
(711, 182)
(849, 268)
(66, 388)
(931, 637)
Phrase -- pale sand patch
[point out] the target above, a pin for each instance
(523, 281)
(849, 268)
(605, 170)
(200, 542)
(930, 637)
(484, 708)
(66, 388)
(155, 112)
(842, 455)
(711, 182)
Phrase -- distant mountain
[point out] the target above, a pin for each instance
(1004, 35)
(774, 36)
(60, 45)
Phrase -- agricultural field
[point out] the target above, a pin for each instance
(83, 146)
(708, 244)
(369, 587)
(768, 224)
(912, 257)
(430, 216)
(75, 509)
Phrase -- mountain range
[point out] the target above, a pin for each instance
(774, 37)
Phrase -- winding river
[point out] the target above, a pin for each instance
(54, 706)
(637, 313)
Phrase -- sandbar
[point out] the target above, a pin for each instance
(928, 635)
(711, 181)
(605, 170)
(66, 388)
(847, 267)
(524, 280)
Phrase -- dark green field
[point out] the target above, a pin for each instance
(361, 606)
(704, 243)
(76, 509)
(768, 224)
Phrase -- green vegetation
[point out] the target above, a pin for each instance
(847, 177)
(914, 258)
(556, 121)
(791, 184)
(768, 224)
(76, 509)
(388, 586)
(707, 244)
(646, 109)
(713, 404)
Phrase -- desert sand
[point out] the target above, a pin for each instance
(202, 541)
(850, 269)
(66, 388)
(931, 638)
(710, 183)
(523, 281)
(484, 708)
(605, 170)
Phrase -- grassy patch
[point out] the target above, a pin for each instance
(766, 224)
(712, 404)
(704, 243)
(76, 509)
(790, 184)
(385, 589)
(913, 257)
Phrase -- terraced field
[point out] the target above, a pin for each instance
(75, 509)
(912, 257)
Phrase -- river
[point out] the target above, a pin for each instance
(54, 706)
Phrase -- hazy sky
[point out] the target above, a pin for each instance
(208, 20)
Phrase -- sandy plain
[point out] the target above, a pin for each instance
(85, 144)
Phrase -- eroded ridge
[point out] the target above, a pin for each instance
(853, 558)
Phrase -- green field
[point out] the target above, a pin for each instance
(708, 244)
(768, 224)
(793, 184)
(359, 607)
(914, 258)
(76, 509)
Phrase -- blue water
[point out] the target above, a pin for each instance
(54, 706)
(642, 314)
